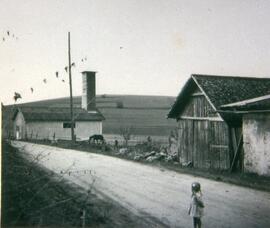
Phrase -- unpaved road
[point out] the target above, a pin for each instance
(156, 192)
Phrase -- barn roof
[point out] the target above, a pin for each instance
(58, 114)
(221, 90)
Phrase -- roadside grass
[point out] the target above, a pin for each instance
(33, 196)
(237, 178)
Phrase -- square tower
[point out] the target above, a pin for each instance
(89, 90)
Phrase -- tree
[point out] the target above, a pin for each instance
(119, 104)
(126, 133)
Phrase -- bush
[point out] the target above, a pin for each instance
(119, 104)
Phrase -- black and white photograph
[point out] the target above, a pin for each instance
(135, 113)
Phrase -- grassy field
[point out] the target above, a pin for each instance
(32, 196)
(106, 100)
(146, 114)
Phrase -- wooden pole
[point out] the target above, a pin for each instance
(70, 91)
(237, 153)
(83, 218)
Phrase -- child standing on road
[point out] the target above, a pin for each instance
(196, 205)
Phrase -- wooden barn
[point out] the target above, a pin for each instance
(209, 137)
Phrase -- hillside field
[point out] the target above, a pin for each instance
(147, 115)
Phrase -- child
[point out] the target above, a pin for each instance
(196, 205)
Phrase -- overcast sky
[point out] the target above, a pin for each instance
(147, 47)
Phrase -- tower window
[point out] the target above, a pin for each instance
(68, 125)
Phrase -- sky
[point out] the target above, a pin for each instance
(140, 47)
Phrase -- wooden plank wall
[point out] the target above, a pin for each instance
(219, 145)
(198, 106)
(185, 141)
(203, 142)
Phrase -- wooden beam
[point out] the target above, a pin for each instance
(234, 140)
(231, 149)
(70, 92)
(243, 112)
(236, 155)
(200, 118)
(219, 146)
(197, 94)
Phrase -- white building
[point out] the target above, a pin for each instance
(54, 123)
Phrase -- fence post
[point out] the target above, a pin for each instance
(83, 218)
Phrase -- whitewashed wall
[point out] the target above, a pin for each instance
(46, 130)
(256, 133)
(85, 129)
(19, 123)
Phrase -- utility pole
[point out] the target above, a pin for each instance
(70, 91)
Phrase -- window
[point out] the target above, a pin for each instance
(68, 125)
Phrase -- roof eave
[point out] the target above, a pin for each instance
(181, 94)
(171, 114)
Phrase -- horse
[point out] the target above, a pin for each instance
(96, 139)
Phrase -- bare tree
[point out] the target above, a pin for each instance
(126, 133)
(119, 104)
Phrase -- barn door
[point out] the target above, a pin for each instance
(219, 146)
(204, 143)
(237, 156)
(193, 142)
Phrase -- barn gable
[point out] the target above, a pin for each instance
(196, 104)
(221, 90)
(192, 102)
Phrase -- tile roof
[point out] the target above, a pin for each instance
(58, 114)
(224, 89)
(221, 90)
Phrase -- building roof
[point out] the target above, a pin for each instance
(254, 104)
(58, 114)
(221, 90)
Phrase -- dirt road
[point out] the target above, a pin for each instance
(155, 192)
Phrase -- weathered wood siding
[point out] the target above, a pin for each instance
(193, 142)
(204, 143)
(198, 106)
(219, 145)
(203, 138)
